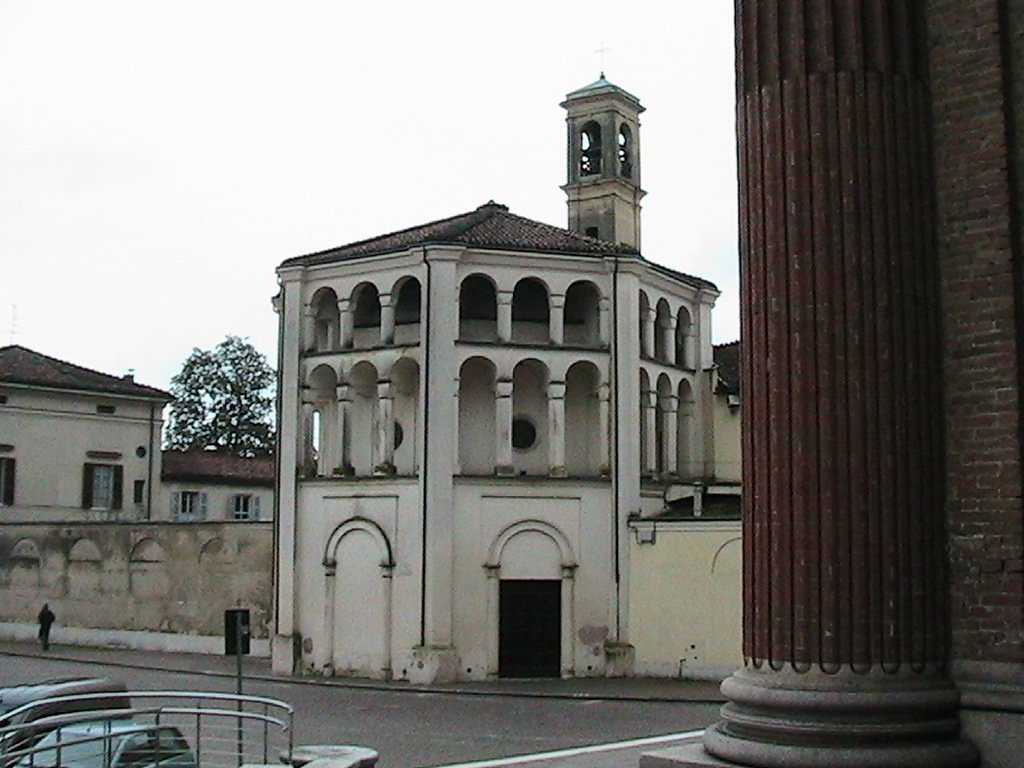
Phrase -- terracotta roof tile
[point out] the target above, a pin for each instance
(489, 226)
(213, 467)
(19, 365)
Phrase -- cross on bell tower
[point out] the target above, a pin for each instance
(603, 187)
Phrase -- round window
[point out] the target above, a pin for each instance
(524, 434)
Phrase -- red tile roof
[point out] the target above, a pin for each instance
(19, 365)
(216, 467)
(490, 226)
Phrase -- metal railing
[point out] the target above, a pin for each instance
(180, 729)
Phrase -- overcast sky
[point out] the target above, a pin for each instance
(158, 159)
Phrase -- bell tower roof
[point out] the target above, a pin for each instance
(601, 87)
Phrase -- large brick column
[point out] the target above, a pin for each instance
(845, 616)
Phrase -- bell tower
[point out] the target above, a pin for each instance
(604, 162)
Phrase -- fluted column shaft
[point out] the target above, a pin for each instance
(844, 617)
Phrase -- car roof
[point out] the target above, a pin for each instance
(16, 695)
(112, 726)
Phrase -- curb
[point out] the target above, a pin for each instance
(370, 686)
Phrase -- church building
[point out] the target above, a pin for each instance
(471, 411)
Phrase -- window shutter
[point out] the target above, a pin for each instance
(255, 507)
(118, 483)
(8, 498)
(202, 505)
(231, 507)
(87, 486)
(175, 504)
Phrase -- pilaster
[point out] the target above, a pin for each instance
(438, 399)
(289, 436)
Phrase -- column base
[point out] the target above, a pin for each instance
(692, 755)
(619, 659)
(860, 720)
(433, 664)
(284, 654)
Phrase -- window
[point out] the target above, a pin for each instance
(524, 434)
(107, 409)
(6, 481)
(188, 506)
(138, 491)
(101, 486)
(245, 506)
(3, 399)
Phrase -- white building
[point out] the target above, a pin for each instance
(470, 412)
(75, 444)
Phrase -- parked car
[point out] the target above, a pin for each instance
(111, 744)
(22, 705)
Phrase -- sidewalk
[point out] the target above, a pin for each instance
(624, 688)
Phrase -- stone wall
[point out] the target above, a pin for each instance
(116, 583)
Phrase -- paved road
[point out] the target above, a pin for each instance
(412, 729)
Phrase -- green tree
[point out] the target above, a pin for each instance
(223, 400)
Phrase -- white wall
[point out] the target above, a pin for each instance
(53, 434)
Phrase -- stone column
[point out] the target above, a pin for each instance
(845, 617)
(308, 328)
(670, 341)
(309, 466)
(603, 413)
(649, 399)
(647, 331)
(456, 437)
(690, 350)
(387, 319)
(668, 435)
(503, 427)
(604, 308)
(556, 318)
(385, 430)
(342, 436)
(344, 323)
(556, 429)
(504, 315)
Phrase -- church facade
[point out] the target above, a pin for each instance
(471, 411)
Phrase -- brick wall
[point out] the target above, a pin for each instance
(979, 248)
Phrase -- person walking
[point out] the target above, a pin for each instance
(46, 619)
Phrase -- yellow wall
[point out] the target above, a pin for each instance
(728, 458)
(686, 598)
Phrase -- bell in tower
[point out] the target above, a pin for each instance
(604, 162)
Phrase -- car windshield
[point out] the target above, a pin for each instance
(90, 754)
(54, 751)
